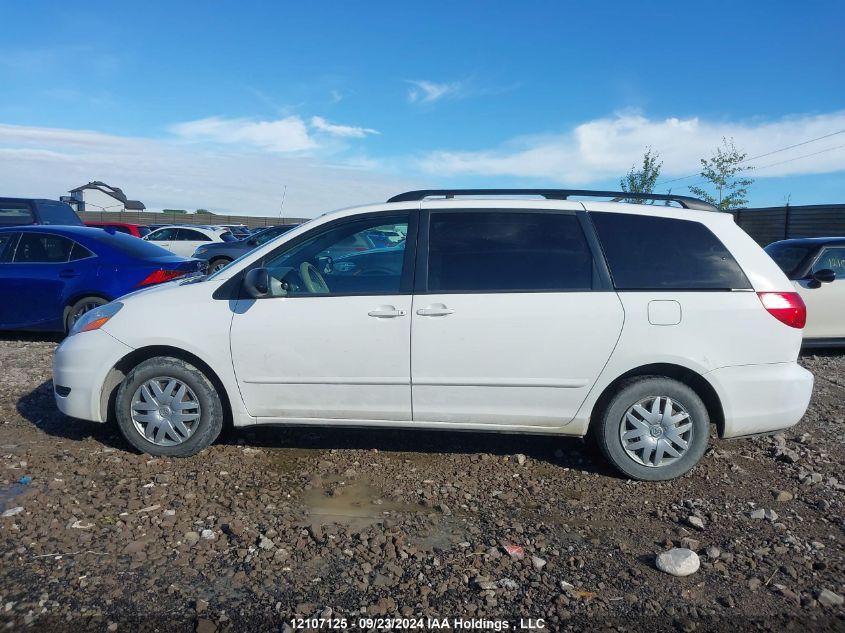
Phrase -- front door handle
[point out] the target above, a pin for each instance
(386, 312)
(436, 309)
(68, 273)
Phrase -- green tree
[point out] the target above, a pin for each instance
(725, 175)
(173, 211)
(642, 180)
(204, 212)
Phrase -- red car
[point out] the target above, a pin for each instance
(137, 230)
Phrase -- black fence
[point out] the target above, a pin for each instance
(770, 224)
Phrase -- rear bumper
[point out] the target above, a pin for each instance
(80, 367)
(762, 398)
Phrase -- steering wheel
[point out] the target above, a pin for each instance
(312, 279)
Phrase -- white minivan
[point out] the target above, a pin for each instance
(501, 310)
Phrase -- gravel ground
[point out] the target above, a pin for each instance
(273, 523)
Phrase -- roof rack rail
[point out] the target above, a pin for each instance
(687, 202)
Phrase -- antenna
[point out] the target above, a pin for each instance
(282, 207)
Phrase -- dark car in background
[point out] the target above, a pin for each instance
(57, 273)
(27, 211)
(220, 254)
(816, 267)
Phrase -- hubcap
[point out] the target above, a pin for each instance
(656, 431)
(165, 411)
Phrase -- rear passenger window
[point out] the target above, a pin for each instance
(189, 235)
(650, 253)
(38, 248)
(7, 241)
(507, 251)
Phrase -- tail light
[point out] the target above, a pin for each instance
(786, 307)
(160, 276)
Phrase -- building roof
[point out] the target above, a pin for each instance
(114, 192)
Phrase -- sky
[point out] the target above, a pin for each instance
(235, 106)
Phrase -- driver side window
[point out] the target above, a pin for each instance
(343, 259)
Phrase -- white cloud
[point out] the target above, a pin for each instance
(47, 162)
(289, 134)
(424, 91)
(345, 131)
(606, 148)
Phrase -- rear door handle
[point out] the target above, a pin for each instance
(437, 309)
(386, 312)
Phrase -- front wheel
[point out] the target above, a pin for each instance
(79, 308)
(218, 264)
(168, 407)
(654, 428)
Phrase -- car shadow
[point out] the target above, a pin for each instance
(47, 337)
(39, 408)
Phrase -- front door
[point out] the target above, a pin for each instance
(825, 303)
(513, 321)
(329, 343)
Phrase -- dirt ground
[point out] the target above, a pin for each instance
(373, 526)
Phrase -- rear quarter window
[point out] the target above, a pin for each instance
(652, 253)
(15, 214)
(57, 213)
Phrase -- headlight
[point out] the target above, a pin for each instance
(96, 318)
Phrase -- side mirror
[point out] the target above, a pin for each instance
(257, 283)
(252, 241)
(823, 276)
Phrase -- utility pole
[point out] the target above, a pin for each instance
(282, 207)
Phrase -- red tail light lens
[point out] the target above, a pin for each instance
(786, 307)
(160, 276)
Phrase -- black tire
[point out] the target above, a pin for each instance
(609, 428)
(208, 426)
(217, 261)
(78, 308)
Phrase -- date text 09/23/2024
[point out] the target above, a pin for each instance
(420, 624)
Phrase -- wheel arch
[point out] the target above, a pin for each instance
(120, 369)
(685, 375)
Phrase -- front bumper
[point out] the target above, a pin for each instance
(80, 367)
(762, 398)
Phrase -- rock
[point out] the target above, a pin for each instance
(827, 598)
(787, 455)
(713, 552)
(12, 511)
(266, 544)
(690, 543)
(208, 535)
(538, 563)
(696, 522)
(783, 495)
(444, 509)
(205, 626)
(520, 459)
(482, 583)
(191, 538)
(514, 551)
(678, 562)
(760, 513)
(202, 605)
(508, 583)
(82, 525)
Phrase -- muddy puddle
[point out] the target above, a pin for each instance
(358, 505)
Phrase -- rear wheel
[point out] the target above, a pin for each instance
(217, 263)
(75, 311)
(654, 429)
(168, 407)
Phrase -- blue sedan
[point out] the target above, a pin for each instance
(52, 275)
